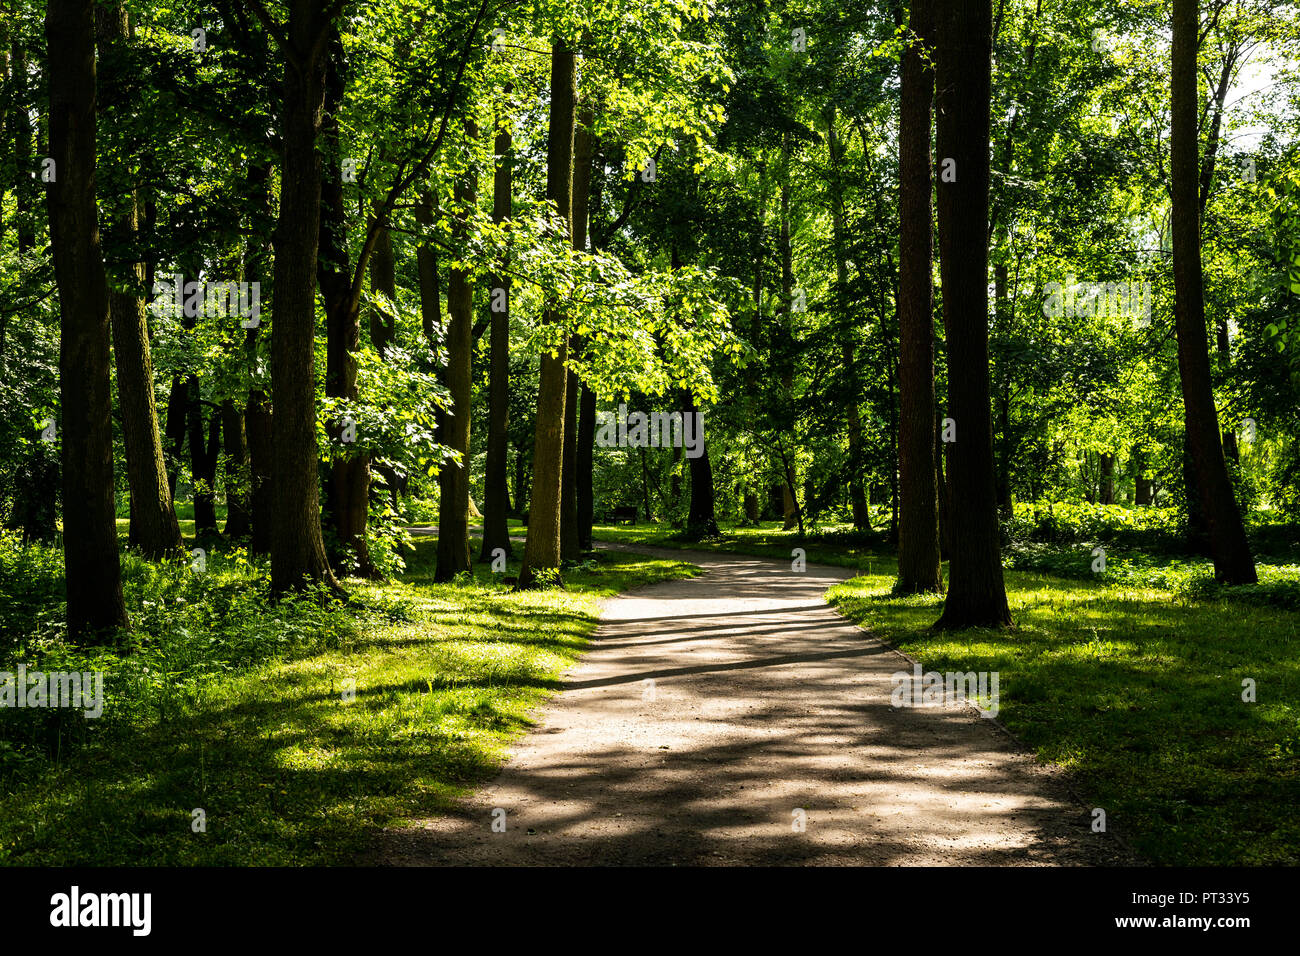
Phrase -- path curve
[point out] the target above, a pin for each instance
(765, 702)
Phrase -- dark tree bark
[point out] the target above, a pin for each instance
(347, 490)
(496, 493)
(1233, 562)
(976, 593)
(586, 452)
(203, 461)
(426, 262)
(177, 412)
(918, 524)
(570, 535)
(700, 520)
(1107, 495)
(239, 516)
(261, 457)
(297, 544)
(92, 563)
(542, 547)
(453, 482)
(154, 528)
(569, 548)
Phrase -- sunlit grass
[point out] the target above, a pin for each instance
(1139, 696)
(298, 759)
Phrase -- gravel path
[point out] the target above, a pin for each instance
(767, 710)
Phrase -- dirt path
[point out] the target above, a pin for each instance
(764, 702)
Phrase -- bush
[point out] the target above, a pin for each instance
(1068, 523)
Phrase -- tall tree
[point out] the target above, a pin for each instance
(1233, 562)
(570, 532)
(496, 492)
(976, 593)
(918, 535)
(453, 482)
(348, 484)
(93, 567)
(297, 544)
(542, 546)
(154, 528)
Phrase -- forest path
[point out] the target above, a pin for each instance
(764, 702)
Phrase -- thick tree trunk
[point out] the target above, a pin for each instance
(976, 593)
(92, 563)
(918, 521)
(542, 548)
(453, 481)
(154, 528)
(297, 544)
(496, 493)
(1233, 562)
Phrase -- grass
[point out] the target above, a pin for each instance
(1132, 681)
(351, 717)
(1139, 696)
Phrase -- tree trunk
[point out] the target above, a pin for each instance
(261, 457)
(297, 544)
(92, 563)
(570, 533)
(347, 490)
(569, 547)
(586, 454)
(918, 521)
(542, 547)
(496, 493)
(700, 520)
(453, 481)
(154, 528)
(789, 502)
(239, 519)
(203, 462)
(853, 422)
(1233, 562)
(976, 594)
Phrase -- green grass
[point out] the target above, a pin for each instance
(1139, 696)
(286, 769)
